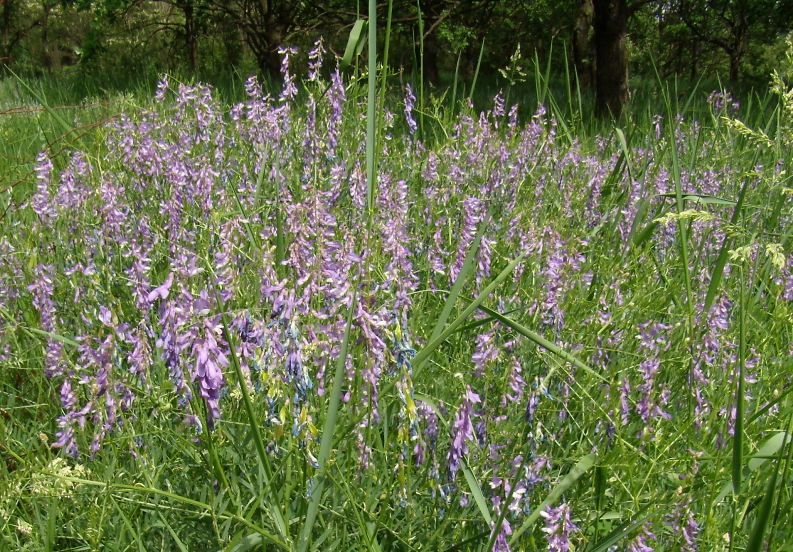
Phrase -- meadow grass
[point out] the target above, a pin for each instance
(258, 324)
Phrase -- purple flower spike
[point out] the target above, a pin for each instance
(410, 104)
(462, 432)
(558, 528)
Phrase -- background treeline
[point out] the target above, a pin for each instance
(118, 40)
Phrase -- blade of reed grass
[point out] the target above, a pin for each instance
(430, 347)
(249, 542)
(257, 436)
(704, 199)
(476, 71)
(327, 433)
(770, 447)
(682, 229)
(371, 121)
(135, 534)
(737, 446)
(456, 77)
(63, 339)
(465, 273)
(353, 40)
(625, 151)
(583, 466)
(179, 544)
(42, 99)
(542, 342)
(760, 526)
(476, 491)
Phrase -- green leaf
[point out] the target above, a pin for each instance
(770, 447)
(476, 491)
(703, 199)
(354, 43)
(757, 535)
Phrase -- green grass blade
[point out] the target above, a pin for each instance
(476, 71)
(737, 447)
(371, 121)
(766, 451)
(682, 229)
(430, 348)
(462, 278)
(625, 151)
(179, 544)
(257, 436)
(583, 466)
(354, 39)
(542, 342)
(327, 433)
(476, 491)
(42, 100)
(456, 78)
(760, 526)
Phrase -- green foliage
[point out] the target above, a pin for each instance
(231, 492)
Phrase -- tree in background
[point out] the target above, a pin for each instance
(733, 25)
(118, 38)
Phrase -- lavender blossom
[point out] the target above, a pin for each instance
(41, 202)
(315, 60)
(642, 541)
(410, 104)
(289, 91)
(65, 436)
(209, 351)
(462, 432)
(558, 528)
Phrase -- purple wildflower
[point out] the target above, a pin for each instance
(410, 104)
(209, 351)
(558, 528)
(65, 436)
(315, 60)
(41, 203)
(43, 291)
(642, 541)
(289, 90)
(462, 432)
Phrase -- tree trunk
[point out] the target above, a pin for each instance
(735, 67)
(583, 54)
(5, 53)
(611, 57)
(190, 36)
(45, 36)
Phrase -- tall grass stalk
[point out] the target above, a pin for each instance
(371, 119)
